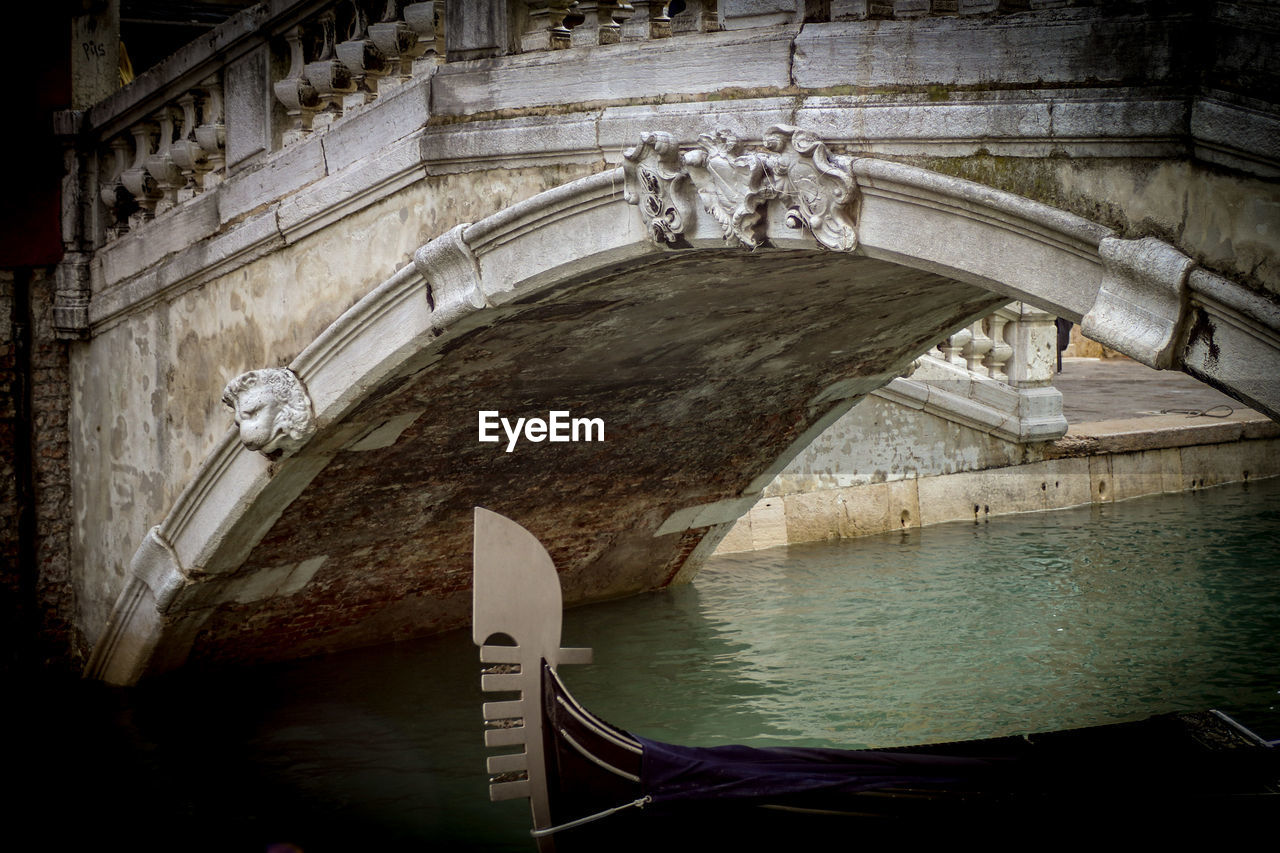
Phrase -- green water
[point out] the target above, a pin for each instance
(1018, 624)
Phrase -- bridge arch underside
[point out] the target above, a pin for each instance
(706, 371)
(710, 368)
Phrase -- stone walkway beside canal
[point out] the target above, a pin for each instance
(1107, 389)
(1132, 431)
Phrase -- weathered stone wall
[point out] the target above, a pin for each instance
(879, 441)
(147, 402)
(1228, 222)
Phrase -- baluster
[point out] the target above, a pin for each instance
(545, 29)
(699, 16)
(953, 347)
(140, 184)
(610, 31)
(421, 18)
(330, 78)
(211, 133)
(588, 31)
(117, 198)
(167, 175)
(300, 98)
(1000, 350)
(187, 154)
(976, 350)
(365, 59)
(400, 43)
(620, 13)
(650, 21)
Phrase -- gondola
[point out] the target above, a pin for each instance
(595, 787)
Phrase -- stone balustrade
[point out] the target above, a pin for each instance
(329, 59)
(259, 109)
(171, 156)
(323, 60)
(994, 374)
(1009, 345)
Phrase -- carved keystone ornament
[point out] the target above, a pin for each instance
(272, 410)
(815, 188)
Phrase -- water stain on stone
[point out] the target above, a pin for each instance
(1202, 331)
(119, 437)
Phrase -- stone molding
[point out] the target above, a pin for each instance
(1141, 303)
(1231, 339)
(920, 219)
(977, 234)
(155, 577)
(156, 564)
(452, 275)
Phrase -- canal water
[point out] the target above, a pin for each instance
(1017, 624)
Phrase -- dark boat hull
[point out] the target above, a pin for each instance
(1160, 774)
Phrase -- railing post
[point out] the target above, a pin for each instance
(115, 196)
(699, 16)
(400, 44)
(187, 154)
(365, 59)
(168, 176)
(137, 180)
(327, 75)
(1034, 339)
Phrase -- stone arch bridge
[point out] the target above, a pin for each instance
(713, 233)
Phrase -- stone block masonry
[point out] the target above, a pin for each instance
(1094, 463)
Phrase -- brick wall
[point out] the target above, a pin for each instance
(36, 592)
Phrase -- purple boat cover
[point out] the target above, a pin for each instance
(671, 773)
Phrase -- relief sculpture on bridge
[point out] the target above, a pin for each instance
(656, 182)
(272, 410)
(816, 189)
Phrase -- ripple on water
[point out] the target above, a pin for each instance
(1021, 623)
